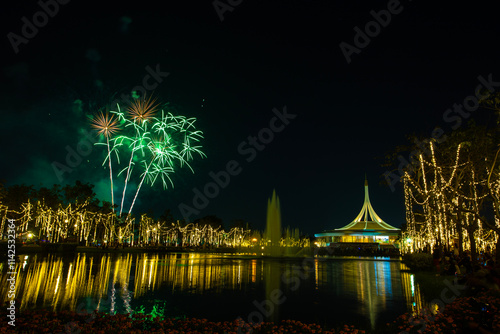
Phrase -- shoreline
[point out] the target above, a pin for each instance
(465, 314)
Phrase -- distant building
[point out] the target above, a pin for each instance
(367, 227)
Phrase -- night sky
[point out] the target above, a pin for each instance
(230, 74)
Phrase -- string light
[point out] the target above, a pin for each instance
(437, 195)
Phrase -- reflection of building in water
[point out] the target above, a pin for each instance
(372, 283)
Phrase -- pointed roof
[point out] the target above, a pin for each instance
(367, 222)
(367, 219)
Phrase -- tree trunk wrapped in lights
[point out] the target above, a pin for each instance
(446, 195)
(76, 216)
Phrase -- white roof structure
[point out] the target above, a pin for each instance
(366, 223)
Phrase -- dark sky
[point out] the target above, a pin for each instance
(230, 75)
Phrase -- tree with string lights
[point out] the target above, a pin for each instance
(447, 194)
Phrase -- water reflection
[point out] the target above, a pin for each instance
(117, 283)
(272, 280)
(58, 282)
(372, 283)
(411, 289)
(191, 273)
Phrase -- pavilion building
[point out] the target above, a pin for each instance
(366, 228)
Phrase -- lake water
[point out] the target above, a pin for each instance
(328, 291)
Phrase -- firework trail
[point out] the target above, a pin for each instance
(140, 111)
(107, 125)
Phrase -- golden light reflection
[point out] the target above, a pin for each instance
(372, 283)
(112, 281)
(254, 270)
(316, 275)
(411, 291)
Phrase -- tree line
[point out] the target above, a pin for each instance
(452, 187)
(73, 211)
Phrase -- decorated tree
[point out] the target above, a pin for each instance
(447, 194)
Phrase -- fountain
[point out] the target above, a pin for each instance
(272, 233)
(275, 245)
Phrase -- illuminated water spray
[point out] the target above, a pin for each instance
(273, 225)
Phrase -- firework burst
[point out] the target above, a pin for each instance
(143, 110)
(155, 147)
(105, 124)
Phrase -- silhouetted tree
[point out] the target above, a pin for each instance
(167, 217)
(213, 221)
(240, 223)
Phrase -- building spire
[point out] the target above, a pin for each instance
(367, 215)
